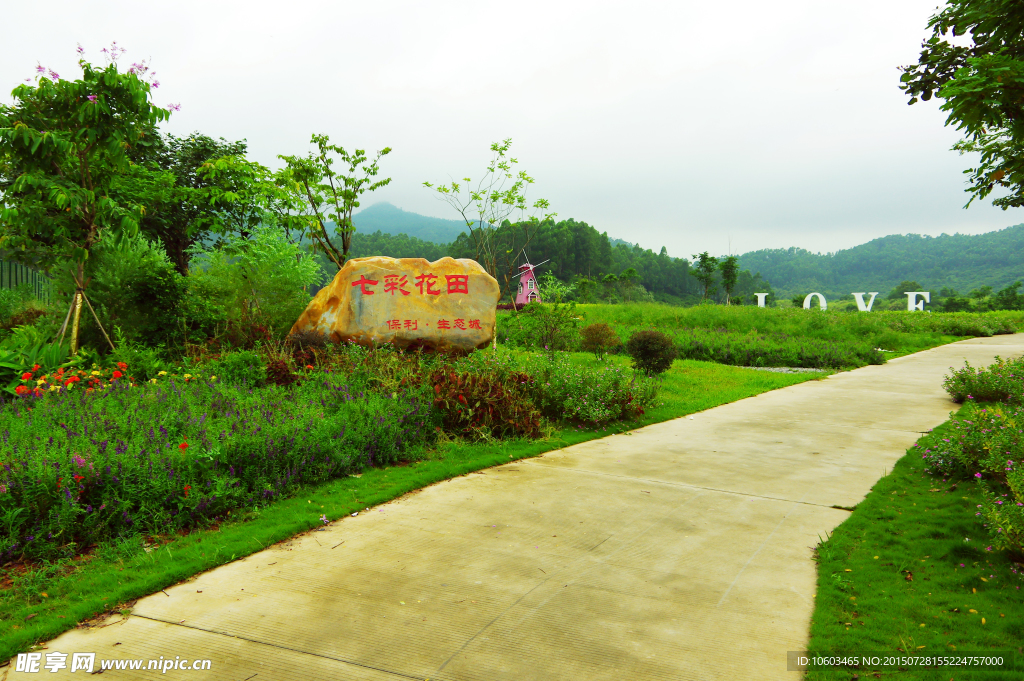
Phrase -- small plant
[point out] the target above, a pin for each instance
(599, 339)
(652, 352)
(279, 373)
(241, 368)
(485, 405)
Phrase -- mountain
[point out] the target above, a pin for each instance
(959, 261)
(389, 219)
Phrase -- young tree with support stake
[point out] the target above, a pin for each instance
(730, 269)
(64, 144)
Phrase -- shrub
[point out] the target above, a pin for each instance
(652, 351)
(244, 368)
(1003, 381)
(279, 373)
(599, 339)
(307, 346)
(776, 349)
(475, 405)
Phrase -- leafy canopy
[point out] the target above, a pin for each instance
(63, 146)
(982, 85)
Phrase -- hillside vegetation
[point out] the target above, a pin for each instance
(960, 261)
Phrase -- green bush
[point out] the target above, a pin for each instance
(652, 352)
(244, 368)
(774, 350)
(1003, 381)
(599, 339)
(259, 280)
(133, 286)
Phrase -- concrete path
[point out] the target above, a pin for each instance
(679, 551)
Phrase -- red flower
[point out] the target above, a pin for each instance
(21, 389)
(79, 477)
(35, 367)
(25, 376)
(309, 366)
(117, 374)
(183, 445)
(187, 488)
(122, 365)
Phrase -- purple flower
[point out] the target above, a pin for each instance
(174, 107)
(91, 98)
(323, 519)
(80, 50)
(977, 475)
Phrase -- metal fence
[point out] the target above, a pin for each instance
(13, 275)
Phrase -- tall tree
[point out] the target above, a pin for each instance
(982, 85)
(730, 268)
(704, 269)
(66, 144)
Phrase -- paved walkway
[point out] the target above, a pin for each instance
(679, 551)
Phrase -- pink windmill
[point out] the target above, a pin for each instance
(529, 291)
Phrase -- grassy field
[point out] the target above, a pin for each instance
(912, 571)
(40, 603)
(752, 336)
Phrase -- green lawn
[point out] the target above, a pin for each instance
(909, 571)
(40, 605)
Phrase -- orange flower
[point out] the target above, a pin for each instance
(117, 374)
(35, 367)
(27, 375)
(21, 389)
(122, 365)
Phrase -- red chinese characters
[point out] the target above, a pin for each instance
(457, 283)
(362, 283)
(412, 324)
(395, 282)
(394, 324)
(458, 324)
(425, 283)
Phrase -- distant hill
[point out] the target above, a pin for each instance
(959, 261)
(389, 219)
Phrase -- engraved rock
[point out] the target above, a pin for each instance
(440, 305)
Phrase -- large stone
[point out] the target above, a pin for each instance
(440, 305)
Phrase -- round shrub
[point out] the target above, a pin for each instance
(599, 339)
(652, 351)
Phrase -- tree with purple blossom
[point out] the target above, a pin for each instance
(64, 144)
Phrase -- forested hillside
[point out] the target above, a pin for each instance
(573, 250)
(959, 261)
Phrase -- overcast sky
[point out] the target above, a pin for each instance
(692, 125)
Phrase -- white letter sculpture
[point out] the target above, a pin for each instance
(859, 297)
(821, 300)
(760, 298)
(913, 304)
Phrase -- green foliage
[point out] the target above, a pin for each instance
(64, 145)
(704, 271)
(133, 286)
(485, 405)
(243, 368)
(652, 352)
(261, 279)
(395, 246)
(158, 458)
(547, 326)
(981, 84)
(957, 261)
(774, 350)
(730, 269)
(323, 195)
(1002, 381)
(899, 291)
(599, 339)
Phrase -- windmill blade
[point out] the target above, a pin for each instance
(541, 263)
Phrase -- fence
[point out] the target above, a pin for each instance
(14, 274)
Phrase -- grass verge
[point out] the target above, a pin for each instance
(42, 604)
(909, 572)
